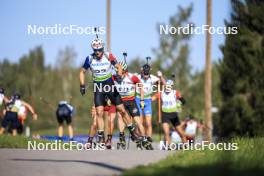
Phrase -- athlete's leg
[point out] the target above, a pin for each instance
(111, 120)
(69, 124)
(180, 131)
(70, 131)
(60, 130)
(5, 122)
(99, 101)
(14, 132)
(178, 127)
(2, 130)
(121, 109)
(140, 126)
(93, 128)
(121, 127)
(100, 119)
(121, 124)
(166, 130)
(110, 127)
(148, 119)
(100, 123)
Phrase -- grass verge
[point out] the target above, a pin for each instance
(247, 160)
(8, 141)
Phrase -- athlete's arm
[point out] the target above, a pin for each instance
(179, 97)
(161, 78)
(113, 61)
(85, 67)
(155, 97)
(82, 73)
(30, 108)
(163, 81)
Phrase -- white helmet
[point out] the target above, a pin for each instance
(169, 82)
(97, 44)
(63, 102)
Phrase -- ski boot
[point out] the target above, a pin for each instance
(108, 143)
(133, 137)
(149, 139)
(90, 144)
(101, 140)
(122, 142)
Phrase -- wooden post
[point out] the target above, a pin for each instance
(208, 79)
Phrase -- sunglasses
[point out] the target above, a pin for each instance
(99, 50)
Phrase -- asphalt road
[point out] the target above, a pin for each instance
(22, 162)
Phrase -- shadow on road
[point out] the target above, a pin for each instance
(104, 165)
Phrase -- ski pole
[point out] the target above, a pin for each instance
(148, 58)
(47, 103)
(159, 110)
(125, 56)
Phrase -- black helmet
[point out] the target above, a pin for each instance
(146, 69)
(16, 96)
(2, 90)
(189, 117)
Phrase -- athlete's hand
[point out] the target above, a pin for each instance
(142, 104)
(35, 116)
(82, 89)
(159, 73)
(118, 79)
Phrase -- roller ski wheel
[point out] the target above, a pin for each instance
(139, 145)
(121, 146)
(151, 147)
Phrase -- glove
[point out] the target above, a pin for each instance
(118, 79)
(159, 73)
(82, 89)
(142, 104)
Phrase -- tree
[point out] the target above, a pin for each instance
(242, 71)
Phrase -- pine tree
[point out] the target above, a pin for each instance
(242, 71)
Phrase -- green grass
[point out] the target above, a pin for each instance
(247, 160)
(8, 141)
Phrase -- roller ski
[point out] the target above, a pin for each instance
(144, 143)
(122, 142)
(147, 145)
(139, 145)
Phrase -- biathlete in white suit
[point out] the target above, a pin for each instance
(149, 81)
(101, 65)
(170, 100)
